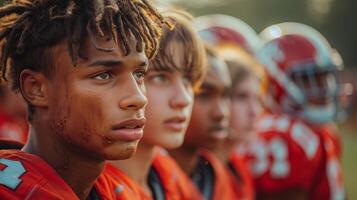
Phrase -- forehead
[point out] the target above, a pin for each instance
(89, 52)
(217, 75)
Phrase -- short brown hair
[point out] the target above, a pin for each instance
(242, 64)
(193, 54)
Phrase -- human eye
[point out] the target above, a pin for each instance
(140, 75)
(158, 78)
(187, 79)
(204, 94)
(103, 76)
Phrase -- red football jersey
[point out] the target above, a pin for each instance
(241, 177)
(330, 185)
(175, 182)
(287, 154)
(291, 154)
(223, 188)
(26, 176)
(120, 185)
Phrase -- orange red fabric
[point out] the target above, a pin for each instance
(223, 188)
(241, 177)
(26, 176)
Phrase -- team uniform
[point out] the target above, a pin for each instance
(26, 176)
(241, 177)
(289, 154)
(331, 184)
(120, 185)
(212, 178)
(174, 181)
(166, 181)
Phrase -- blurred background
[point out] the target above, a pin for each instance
(335, 19)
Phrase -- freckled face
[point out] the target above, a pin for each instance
(89, 103)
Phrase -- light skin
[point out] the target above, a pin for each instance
(245, 109)
(88, 113)
(170, 100)
(209, 124)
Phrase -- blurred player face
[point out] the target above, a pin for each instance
(97, 107)
(245, 108)
(170, 100)
(210, 116)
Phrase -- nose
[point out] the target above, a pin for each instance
(182, 96)
(254, 108)
(134, 98)
(220, 110)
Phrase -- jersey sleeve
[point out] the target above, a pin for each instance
(24, 176)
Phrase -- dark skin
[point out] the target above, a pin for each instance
(77, 108)
(209, 123)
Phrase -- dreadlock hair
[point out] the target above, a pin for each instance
(30, 28)
(183, 40)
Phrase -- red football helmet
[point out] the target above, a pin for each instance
(301, 67)
(227, 30)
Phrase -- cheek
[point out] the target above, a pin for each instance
(80, 119)
(238, 114)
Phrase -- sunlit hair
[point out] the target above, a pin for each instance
(181, 40)
(242, 65)
(30, 28)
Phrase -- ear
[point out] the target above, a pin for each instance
(33, 87)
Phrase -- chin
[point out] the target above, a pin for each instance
(173, 141)
(121, 153)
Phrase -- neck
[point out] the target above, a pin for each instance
(138, 166)
(223, 151)
(78, 171)
(186, 157)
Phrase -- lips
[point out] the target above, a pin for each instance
(129, 130)
(176, 124)
(219, 132)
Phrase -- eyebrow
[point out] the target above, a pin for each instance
(108, 63)
(207, 86)
(114, 63)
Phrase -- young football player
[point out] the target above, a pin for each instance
(237, 42)
(170, 82)
(247, 77)
(298, 155)
(80, 67)
(209, 126)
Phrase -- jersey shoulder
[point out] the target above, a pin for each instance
(241, 175)
(26, 176)
(115, 184)
(175, 182)
(223, 188)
